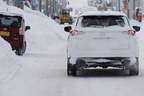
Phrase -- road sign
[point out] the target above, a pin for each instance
(70, 9)
(22, 0)
(125, 4)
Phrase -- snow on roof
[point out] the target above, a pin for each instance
(10, 10)
(103, 13)
(11, 14)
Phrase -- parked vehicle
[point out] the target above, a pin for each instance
(102, 39)
(12, 29)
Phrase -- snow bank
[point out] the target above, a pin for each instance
(3, 6)
(43, 35)
(9, 64)
(34, 12)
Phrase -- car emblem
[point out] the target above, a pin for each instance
(103, 34)
(4, 28)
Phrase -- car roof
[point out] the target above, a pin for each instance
(11, 14)
(103, 13)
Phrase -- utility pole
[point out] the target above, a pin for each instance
(53, 7)
(8, 2)
(40, 1)
(49, 10)
(47, 7)
(119, 5)
(50, 7)
(20, 4)
(128, 9)
(134, 9)
(105, 5)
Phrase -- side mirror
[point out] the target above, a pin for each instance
(67, 28)
(27, 28)
(137, 28)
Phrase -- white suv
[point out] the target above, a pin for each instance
(102, 39)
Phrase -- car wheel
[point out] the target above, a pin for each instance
(71, 70)
(24, 47)
(134, 69)
(19, 52)
(68, 70)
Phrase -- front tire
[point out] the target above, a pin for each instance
(19, 52)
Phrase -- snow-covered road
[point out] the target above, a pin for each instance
(42, 70)
(45, 75)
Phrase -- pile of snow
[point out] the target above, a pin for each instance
(43, 35)
(44, 32)
(9, 64)
(3, 6)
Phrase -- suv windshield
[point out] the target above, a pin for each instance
(102, 21)
(10, 21)
(64, 11)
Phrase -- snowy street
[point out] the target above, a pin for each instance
(45, 75)
(42, 70)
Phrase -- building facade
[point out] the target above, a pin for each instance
(142, 9)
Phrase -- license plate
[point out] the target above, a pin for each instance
(4, 33)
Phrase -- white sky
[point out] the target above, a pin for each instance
(41, 71)
(77, 3)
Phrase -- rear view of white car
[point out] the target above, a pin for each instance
(102, 39)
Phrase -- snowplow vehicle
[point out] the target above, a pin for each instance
(12, 30)
(65, 17)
